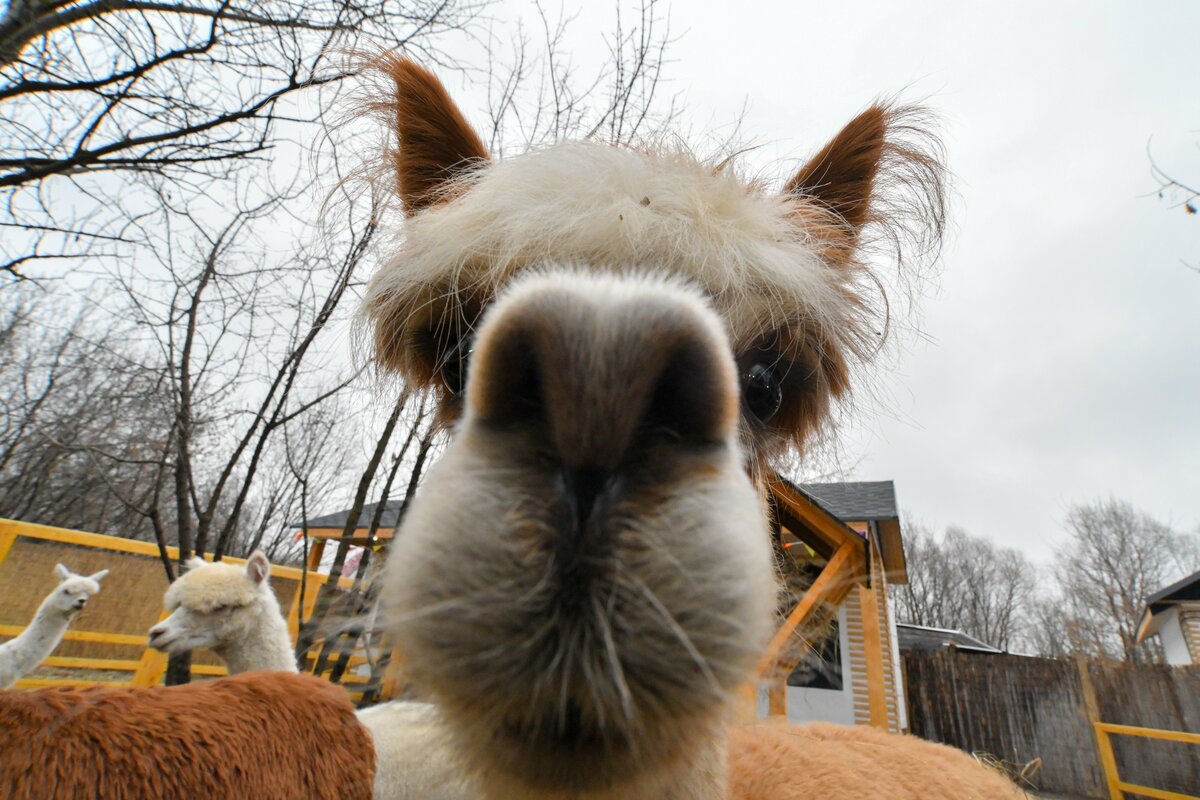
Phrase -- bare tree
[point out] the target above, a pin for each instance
(537, 93)
(184, 93)
(1113, 558)
(967, 583)
(186, 156)
(81, 425)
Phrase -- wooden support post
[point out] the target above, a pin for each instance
(1104, 748)
(8, 535)
(873, 653)
(830, 586)
(150, 669)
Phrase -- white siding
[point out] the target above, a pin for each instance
(828, 705)
(1171, 635)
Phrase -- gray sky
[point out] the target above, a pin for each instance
(1059, 362)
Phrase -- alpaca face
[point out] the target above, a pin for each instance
(212, 605)
(617, 580)
(74, 591)
(625, 339)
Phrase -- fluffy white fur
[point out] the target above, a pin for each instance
(627, 212)
(414, 756)
(21, 655)
(229, 609)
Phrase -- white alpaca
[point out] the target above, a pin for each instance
(230, 610)
(22, 654)
(233, 612)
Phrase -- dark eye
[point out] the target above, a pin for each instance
(454, 365)
(762, 391)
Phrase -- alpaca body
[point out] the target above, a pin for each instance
(21, 655)
(262, 736)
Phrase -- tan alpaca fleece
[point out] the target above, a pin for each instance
(822, 761)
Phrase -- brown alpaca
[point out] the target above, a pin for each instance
(625, 339)
(259, 735)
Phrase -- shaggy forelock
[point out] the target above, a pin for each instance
(759, 257)
(210, 587)
(80, 583)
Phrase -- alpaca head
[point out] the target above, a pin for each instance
(623, 339)
(73, 591)
(215, 605)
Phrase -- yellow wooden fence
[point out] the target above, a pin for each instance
(1117, 787)
(149, 668)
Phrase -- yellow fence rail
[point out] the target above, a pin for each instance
(1116, 787)
(149, 668)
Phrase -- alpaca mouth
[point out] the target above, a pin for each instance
(160, 640)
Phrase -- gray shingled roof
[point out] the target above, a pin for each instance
(921, 637)
(858, 501)
(337, 520)
(1187, 589)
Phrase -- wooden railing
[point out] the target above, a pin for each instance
(149, 668)
(1117, 787)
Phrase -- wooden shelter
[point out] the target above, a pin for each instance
(849, 534)
(1173, 615)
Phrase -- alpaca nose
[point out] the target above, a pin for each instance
(596, 365)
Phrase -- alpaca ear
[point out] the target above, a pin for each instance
(434, 142)
(62, 572)
(258, 567)
(841, 176)
(98, 576)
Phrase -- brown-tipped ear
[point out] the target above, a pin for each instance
(434, 141)
(842, 175)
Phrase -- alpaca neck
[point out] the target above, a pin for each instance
(36, 642)
(265, 645)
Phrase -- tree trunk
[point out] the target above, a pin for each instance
(179, 668)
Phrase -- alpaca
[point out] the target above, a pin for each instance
(230, 610)
(233, 612)
(625, 340)
(21, 655)
(267, 735)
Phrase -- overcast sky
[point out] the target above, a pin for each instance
(1060, 361)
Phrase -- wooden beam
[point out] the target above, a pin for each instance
(1104, 748)
(817, 527)
(829, 587)
(873, 652)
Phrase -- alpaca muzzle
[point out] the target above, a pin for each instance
(600, 367)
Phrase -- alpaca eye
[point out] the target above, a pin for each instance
(762, 391)
(454, 365)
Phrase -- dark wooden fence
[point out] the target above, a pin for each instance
(1019, 709)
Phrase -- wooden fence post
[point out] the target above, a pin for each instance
(1104, 748)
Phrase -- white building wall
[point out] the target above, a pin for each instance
(826, 705)
(1170, 632)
